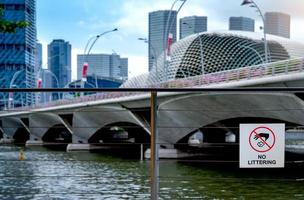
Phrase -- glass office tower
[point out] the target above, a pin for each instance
(17, 53)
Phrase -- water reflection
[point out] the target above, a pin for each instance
(59, 175)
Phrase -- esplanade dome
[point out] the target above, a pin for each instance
(210, 52)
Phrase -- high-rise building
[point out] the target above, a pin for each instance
(17, 51)
(59, 62)
(277, 23)
(47, 78)
(38, 68)
(124, 73)
(38, 58)
(103, 65)
(159, 21)
(191, 25)
(241, 24)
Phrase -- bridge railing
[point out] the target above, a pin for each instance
(246, 73)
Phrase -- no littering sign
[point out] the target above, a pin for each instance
(262, 145)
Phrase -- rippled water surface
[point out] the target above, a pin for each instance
(48, 174)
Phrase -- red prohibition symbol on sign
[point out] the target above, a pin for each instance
(262, 139)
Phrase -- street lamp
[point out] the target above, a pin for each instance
(167, 29)
(11, 94)
(21, 96)
(86, 64)
(42, 72)
(154, 52)
(252, 4)
(54, 76)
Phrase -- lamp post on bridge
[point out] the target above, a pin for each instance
(11, 94)
(85, 66)
(252, 4)
(167, 39)
(154, 53)
(41, 75)
(53, 75)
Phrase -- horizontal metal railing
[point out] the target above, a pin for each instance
(246, 73)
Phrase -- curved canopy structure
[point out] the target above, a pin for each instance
(211, 52)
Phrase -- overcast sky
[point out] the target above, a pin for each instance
(77, 20)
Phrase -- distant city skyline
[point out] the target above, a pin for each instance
(277, 23)
(103, 65)
(131, 18)
(159, 30)
(192, 24)
(241, 24)
(59, 62)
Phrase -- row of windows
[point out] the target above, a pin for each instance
(12, 66)
(12, 46)
(16, 7)
(13, 7)
(19, 47)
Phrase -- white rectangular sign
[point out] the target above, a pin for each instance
(262, 145)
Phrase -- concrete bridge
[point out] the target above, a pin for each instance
(87, 121)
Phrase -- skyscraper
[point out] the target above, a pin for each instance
(157, 36)
(38, 68)
(59, 62)
(103, 65)
(38, 57)
(277, 23)
(17, 54)
(241, 24)
(191, 25)
(47, 82)
(124, 68)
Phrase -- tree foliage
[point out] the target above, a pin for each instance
(9, 26)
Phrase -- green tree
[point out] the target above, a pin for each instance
(9, 26)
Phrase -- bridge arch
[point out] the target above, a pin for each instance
(191, 112)
(57, 135)
(216, 132)
(14, 128)
(41, 123)
(88, 121)
(121, 132)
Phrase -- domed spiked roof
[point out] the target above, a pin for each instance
(211, 52)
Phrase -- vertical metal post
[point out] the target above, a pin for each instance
(154, 148)
(141, 152)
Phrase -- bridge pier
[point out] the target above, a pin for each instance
(7, 140)
(78, 144)
(34, 142)
(171, 154)
(78, 147)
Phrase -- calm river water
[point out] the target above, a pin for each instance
(46, 174)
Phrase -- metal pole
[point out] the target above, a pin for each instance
(167, 31)
(92, 45)
(141, 152)
(154, 148)
(166, 36)
(154, 54)
(254, 5)
(264, 30)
